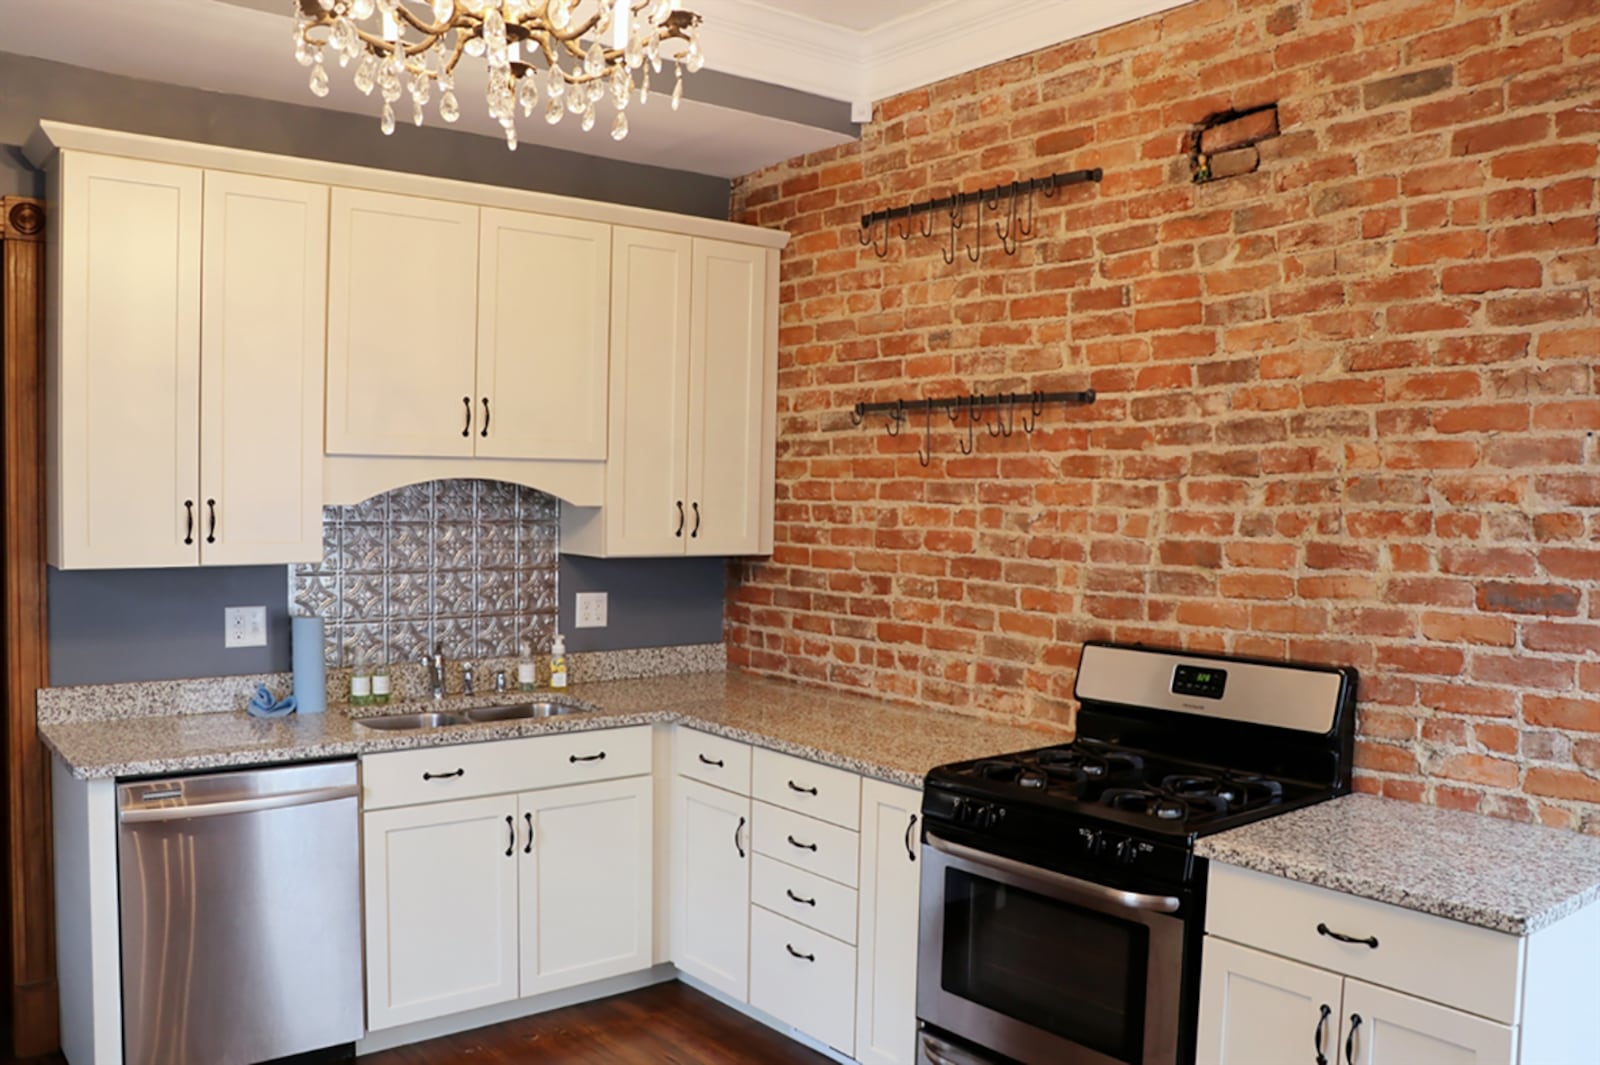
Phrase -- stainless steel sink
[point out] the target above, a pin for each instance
(407, 722)
(521, 711)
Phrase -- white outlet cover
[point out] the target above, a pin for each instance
(244, 626)
(589, 609)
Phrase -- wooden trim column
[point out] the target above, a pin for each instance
(30, 893)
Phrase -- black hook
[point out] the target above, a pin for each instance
(1027, 230)
(955, 416)
(905, 227)
(976, 251)
(1037, 406)
(897, 417)
(996, 429)
(1008, 236)
(925, 452)
(927, 229)
(957, 211)
(1050, 193)
(859, 414)
(1011, 414)
(992, 199)
(882, 251)
(865, 236)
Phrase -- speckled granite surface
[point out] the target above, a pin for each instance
(1497, 874)
(886, 742)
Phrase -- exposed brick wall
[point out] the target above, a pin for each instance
(1347, 403)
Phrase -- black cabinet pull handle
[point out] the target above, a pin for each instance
(696, 532)
(796, 954)
(803, 846)
(511, 835)
(679, 531)
(1321, 1034)
(485, 432)
(466, 430)
(797, 898)
(1350, 1040)
(444, 776)
(188, 521)
(211, 532)
(910, 853)
(1324, 930)
(529, 848)
(804, 791)
(587, 757)
(710, 761)
(736, 844)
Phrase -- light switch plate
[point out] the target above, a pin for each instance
(589, 610)
(244, 626)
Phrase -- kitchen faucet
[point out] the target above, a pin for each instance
(435, 664)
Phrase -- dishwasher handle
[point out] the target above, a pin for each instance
(236, 806)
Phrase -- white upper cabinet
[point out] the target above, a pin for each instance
(262, 321)
(402, 286)
(693, 401)
(544, 325)
(172, 445)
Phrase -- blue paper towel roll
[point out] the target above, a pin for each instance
(310, 679)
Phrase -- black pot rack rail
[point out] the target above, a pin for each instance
(876, 226)
(975, 406)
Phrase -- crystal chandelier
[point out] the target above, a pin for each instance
(589, 49)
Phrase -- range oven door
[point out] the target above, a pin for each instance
(1043, 967)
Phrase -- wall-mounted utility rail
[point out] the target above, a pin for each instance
(876, 226)
(975, 405)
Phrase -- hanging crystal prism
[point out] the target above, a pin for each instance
(554, 111)
(319, 78)
(619, 126)
(677, 89)
(387, 122)
(449, 109)
(588, 118)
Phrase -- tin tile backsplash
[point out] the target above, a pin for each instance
(470, 564)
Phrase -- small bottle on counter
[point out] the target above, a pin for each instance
(558, 662)
(380, 684)
(360, 681)
(527, 678)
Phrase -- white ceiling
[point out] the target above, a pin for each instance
(847, 50)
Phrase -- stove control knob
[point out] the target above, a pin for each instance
(1095, 843)
(1127, 851)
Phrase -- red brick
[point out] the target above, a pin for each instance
(1489, 277)
(1240, 132)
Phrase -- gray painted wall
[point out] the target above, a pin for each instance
(121, 625)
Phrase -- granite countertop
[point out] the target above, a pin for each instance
(879, 740)
(1501, 875)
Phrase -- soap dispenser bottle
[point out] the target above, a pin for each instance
(527, 678)
(558, 662)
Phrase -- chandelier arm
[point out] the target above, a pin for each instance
(455, 57)
(417, 24)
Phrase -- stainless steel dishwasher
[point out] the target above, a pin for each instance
(241, 915)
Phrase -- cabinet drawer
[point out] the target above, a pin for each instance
(805, 897)
(723, 763)
(432, 774)
(806, 787)
(1460, 965)
(803, 978)
(812, 845)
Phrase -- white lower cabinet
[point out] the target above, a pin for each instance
(711, 885)
(479, 900)
(886, 963)
(1396, 1029)
(441, 913)
(803, 977)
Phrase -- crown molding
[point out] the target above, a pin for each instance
(765, 44)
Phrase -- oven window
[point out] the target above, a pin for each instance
(1069, 971)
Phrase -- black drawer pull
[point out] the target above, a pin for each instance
(444, 776)
(529, 848)
(797, 898)
(803, 846)
(1324, 930)
(680, 519)
(1321, 1034)
(511, 835)
(710, 761)
(804, 791)
(736, 844)
(910, 853)
(188, 521)
(1350, 1040)
(587, 757)
(466, 430)
(211, 533)
(485, 432)
(796, 954)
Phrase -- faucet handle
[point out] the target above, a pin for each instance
(466, 678)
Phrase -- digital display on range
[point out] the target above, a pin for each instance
(1205, 681)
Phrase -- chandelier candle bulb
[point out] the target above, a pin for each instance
(413, 43)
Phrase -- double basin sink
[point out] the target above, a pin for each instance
(478, 715)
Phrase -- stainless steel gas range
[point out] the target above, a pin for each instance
(1062, 905)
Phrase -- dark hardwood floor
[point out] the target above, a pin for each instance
(668, 1024)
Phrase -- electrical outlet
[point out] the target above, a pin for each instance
(590, 610)
(244, 626)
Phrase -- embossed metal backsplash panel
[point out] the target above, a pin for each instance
(471, 564)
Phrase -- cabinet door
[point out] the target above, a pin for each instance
(711, 886)
(127, 365)
(729, 405)
(1396, 1029)
(646, 510)
(586, 906)
(441, 909)
(402, 338)
(544, 322)
(886, 944)
(262, 356)
(1260, 1009)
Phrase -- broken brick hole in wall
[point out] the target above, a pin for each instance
(1224, 145)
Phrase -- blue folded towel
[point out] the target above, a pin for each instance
(262, 704)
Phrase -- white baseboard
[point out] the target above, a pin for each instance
(767, 1019)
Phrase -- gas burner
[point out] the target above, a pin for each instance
(1163, 805)
(1033, 779)
(1090, 763)
(1236, 791)
(997, 769)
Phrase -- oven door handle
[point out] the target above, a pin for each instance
(1084, 889)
